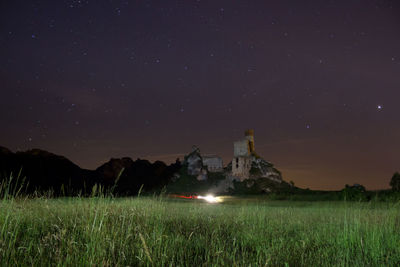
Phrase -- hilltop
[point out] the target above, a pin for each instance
(195, 177)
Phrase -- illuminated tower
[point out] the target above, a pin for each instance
(243, 152)
(250, 137)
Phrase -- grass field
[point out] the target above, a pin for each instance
(150, 231)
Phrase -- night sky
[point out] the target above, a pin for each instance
(318, 81)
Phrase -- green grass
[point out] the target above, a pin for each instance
(153, 231)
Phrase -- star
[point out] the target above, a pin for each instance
(379, 107)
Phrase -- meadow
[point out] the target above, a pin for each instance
(157, 231)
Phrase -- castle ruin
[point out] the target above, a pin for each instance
(245, 165)
(213, 163)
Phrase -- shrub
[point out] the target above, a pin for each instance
(354, 192)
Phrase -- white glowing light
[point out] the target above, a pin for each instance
(209, 198)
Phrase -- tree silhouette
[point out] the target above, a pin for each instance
(395, 182)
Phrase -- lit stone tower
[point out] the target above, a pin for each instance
(243, 152)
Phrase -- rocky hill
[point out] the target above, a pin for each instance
(194, 177)
(130, 176)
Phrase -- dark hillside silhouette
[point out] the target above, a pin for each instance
(44, 171)
(134, 174)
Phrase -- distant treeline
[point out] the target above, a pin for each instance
(37, 171)
(340, 195)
